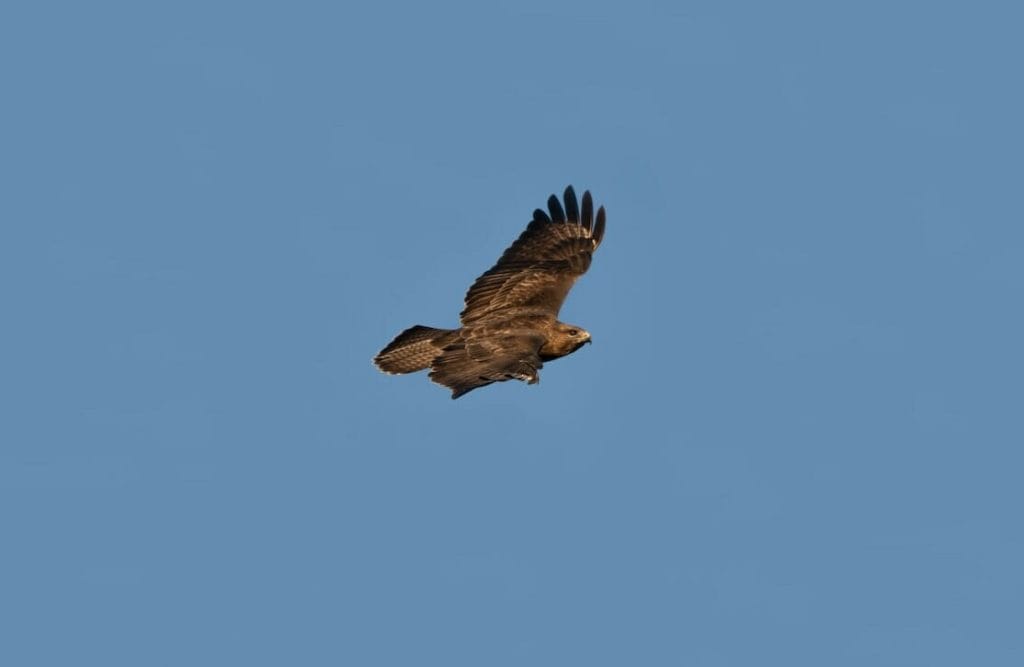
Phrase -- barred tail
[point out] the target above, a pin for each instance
(412, 350)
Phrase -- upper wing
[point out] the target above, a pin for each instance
(535, 274)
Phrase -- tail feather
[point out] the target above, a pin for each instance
(412, 350)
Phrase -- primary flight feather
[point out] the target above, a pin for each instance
(510, 322)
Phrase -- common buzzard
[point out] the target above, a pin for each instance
(510, 323)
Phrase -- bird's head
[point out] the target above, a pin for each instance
(564, 339)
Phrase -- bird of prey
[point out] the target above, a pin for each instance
(510, 321)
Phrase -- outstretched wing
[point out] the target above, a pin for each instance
(533, 277)
(485, 357)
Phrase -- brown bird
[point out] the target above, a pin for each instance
(510, 323)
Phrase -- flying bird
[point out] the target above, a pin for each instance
(510, 323)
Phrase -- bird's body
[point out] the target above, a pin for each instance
(509, 324)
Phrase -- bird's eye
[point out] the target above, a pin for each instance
(573, 332)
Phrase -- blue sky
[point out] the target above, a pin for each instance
(795, 441)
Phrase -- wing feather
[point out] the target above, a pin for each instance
(587, 219)
(557, 214)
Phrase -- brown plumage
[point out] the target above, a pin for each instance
(510, 323)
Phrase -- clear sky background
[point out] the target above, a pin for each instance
(796, 439)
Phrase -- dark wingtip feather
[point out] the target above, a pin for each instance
(571, 207)
(598, 232)
(557, 214)
(540, 216)
(588, 210)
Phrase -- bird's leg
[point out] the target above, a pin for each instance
(527, 372)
